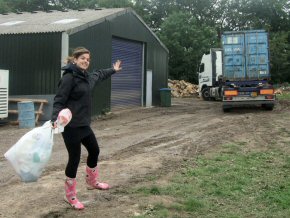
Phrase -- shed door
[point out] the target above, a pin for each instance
(127, 85)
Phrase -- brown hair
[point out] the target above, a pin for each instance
(76, 53)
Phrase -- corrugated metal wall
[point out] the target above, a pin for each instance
(33, 61)
(128, 26)
(98, 40)
(158, 62)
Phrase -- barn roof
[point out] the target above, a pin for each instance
(70, 21)
(55, 21)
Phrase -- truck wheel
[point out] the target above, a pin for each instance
(268, 107)
(205, 94)
(226, 109)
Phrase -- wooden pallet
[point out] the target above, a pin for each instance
(38, 112)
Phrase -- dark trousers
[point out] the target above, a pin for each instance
(73, 138)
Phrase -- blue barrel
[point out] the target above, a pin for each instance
(26, 116)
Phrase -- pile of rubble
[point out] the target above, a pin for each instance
(180, 88)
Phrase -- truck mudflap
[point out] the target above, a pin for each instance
(267, 104)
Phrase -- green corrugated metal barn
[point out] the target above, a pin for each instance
(33, 47)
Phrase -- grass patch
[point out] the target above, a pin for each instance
(284, 96)
(153, 190)
(230, 183)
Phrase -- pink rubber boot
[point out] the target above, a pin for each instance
(92, 179)
(70, 194)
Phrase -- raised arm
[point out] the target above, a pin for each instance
(100, 75)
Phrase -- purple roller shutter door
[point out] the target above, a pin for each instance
(127, 85)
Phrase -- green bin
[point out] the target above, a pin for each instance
(165, 96)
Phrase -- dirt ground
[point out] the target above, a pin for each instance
(137, 144)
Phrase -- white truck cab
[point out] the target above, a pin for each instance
(210, 70)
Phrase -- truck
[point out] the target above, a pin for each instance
(238, 74)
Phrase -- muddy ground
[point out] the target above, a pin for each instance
(135, 145)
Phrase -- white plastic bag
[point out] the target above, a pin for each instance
(32, 152)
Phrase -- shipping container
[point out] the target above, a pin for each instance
(246, 55)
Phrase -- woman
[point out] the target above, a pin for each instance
(74, 93)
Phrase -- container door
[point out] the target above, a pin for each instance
(127, 85)
(234, 58)
(257, 62)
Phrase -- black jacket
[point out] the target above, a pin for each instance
(74, 92)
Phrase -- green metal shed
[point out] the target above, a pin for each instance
(33, 47)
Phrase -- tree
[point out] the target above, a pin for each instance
(28, 5)
(187, 41)
(271, 15)
(154, 12)
(4, 8)
(280, 56)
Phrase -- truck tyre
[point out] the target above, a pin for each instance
(205, 94)
(226, 109)
(268, 107)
